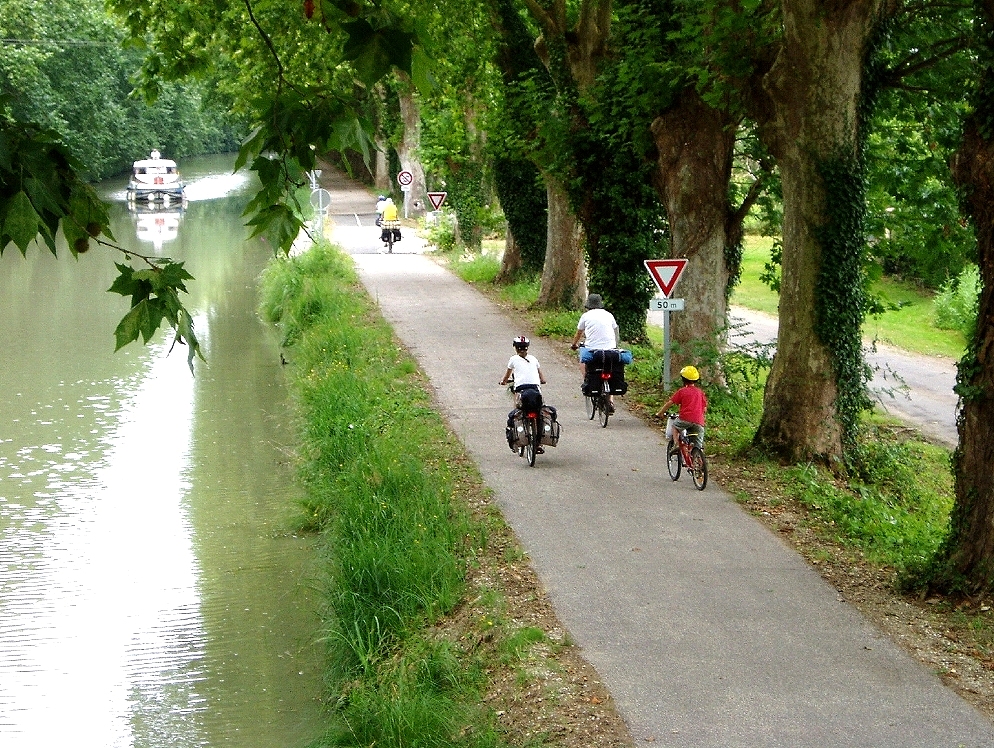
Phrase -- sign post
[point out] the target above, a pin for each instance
(320, 201)
(404, 179)
(665, 274)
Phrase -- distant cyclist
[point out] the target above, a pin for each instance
(390, 221)
(600, 330)
(381, 202)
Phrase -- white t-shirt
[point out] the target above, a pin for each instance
(599, 328)
(525, 370)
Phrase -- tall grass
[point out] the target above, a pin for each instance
(380, 494)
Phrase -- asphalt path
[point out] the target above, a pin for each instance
(707, 629)
(916, 389)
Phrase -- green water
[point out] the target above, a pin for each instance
(151, 592)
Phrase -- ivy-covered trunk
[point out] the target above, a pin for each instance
(695, 144)
(564, 281)
(523, 197)
(970, 547)
(815, 90)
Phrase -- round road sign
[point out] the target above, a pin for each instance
(320, 199)
(405, 178)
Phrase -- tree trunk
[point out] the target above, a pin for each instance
(511, 262)
(971, 545)
(407, 151)
(815, 89)
(695, 144)
(564, 281)
(381, 166)
(381, 173)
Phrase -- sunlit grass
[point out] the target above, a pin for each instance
(380, 471)
(911, 326)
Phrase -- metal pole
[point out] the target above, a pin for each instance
(666, 349)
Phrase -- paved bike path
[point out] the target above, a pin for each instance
(707, 629)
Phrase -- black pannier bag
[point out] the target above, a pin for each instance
(531, 400)
(605, 361)
(516, 434)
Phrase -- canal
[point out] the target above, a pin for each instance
(152, 590)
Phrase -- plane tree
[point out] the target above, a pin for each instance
(967, 562)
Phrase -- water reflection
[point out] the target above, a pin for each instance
(156, 224)
(150, 593)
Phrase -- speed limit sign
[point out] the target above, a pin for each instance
(405, 178)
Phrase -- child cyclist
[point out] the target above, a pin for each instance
(693, 404)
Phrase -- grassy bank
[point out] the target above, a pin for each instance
(437, 632)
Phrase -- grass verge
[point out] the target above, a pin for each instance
(437, 631)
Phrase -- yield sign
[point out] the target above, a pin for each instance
(665, 273)
(436, 199)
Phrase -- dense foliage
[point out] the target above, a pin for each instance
(64, 66)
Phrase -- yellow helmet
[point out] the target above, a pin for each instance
(690, 373)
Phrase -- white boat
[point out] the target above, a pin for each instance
(155, 179)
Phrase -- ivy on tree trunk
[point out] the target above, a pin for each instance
(816, 92)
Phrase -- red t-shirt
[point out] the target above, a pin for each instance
(693, 402)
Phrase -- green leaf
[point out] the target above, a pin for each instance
(143, 319)
(22, 221)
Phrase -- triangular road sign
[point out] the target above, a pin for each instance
(665, 273)
(436, 199)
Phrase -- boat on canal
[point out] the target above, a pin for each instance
(155, 180)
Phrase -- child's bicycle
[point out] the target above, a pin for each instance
(685, 453)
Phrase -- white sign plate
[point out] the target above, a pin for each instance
(666, 305)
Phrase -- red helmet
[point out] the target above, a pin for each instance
(520, 342)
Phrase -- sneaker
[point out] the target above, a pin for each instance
(540, 451)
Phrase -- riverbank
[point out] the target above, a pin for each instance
(438, 631)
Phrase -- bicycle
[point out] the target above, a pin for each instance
(599, 403)
(685, 452)
(601, 370)
(530, 443)
(390, 233)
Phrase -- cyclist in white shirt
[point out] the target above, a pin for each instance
(600, 330)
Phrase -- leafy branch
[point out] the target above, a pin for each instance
(41, 192)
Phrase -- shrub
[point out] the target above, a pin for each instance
(442, 233)
(957, 302)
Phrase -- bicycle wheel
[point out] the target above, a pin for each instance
(531, 449)
(674, 459)
(591, 404)
(605, 410)
(390, 242)
(699, 468)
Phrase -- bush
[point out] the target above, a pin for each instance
(956, 304)
(442, 233)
